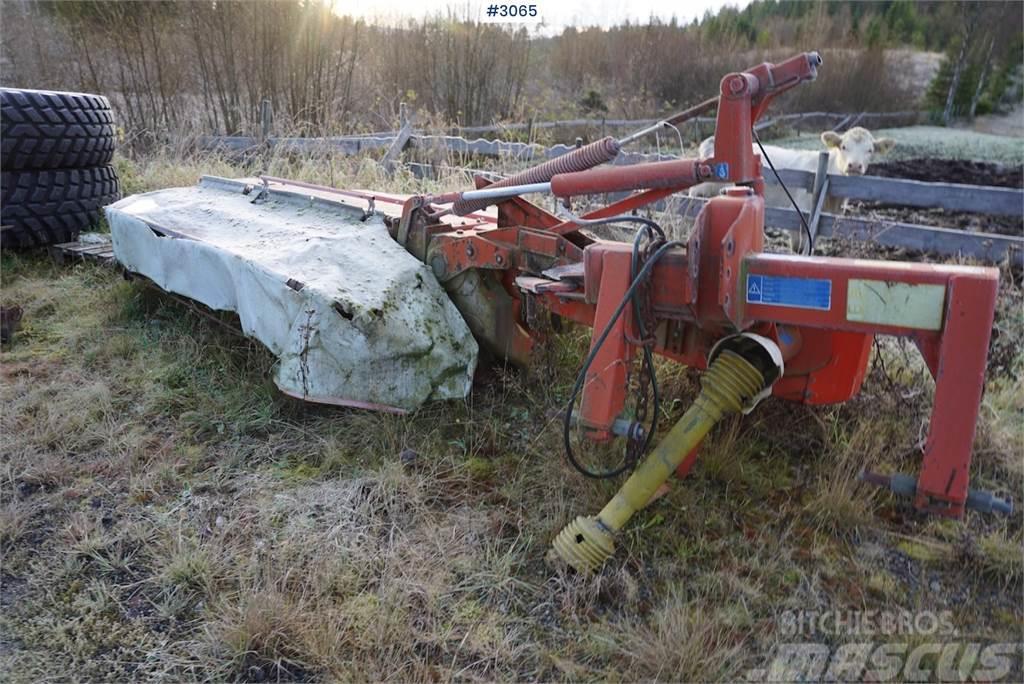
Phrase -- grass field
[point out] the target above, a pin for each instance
(167, 515)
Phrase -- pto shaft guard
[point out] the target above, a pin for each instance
(742, 368)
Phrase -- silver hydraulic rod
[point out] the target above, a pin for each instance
(507, 191)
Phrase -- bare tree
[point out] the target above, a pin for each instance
(985, 66)
(969, 15)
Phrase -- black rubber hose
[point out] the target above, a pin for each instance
(581, 378)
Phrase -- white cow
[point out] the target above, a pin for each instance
(849, 154)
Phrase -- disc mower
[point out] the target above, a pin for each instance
(795, 327)
(324, 278)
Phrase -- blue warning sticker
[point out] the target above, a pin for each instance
(801, 293)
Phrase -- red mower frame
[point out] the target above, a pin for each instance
(823, 313)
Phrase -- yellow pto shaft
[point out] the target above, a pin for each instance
(729, 384)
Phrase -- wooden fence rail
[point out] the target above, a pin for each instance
(843, 119)
(354, 144)
(977, 199)
(987, 247)
(838, 119)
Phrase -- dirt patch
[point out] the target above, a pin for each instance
(959, 171)
(975, 223)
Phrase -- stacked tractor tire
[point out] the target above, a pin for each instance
(55, 166)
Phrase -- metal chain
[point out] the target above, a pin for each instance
(636, 444)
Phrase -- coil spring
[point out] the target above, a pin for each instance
(586, 157)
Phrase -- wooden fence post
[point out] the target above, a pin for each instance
(818, 197)
(266, 119)
(800, 241)
(400, 141)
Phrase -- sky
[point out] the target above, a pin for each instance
(555, 14)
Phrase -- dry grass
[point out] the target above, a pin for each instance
(841, 502)
(167, 515)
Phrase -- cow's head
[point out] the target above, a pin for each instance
(855, 149)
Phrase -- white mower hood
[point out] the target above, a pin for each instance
(353, 318)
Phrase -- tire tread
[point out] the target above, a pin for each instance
(42, 129)
(53, 206)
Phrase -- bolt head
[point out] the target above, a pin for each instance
(437, 265)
